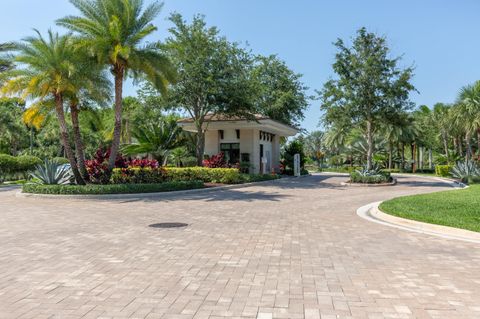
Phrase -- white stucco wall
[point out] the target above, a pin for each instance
(211, 143)
(249, 143)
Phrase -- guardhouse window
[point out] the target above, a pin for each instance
(231, 151)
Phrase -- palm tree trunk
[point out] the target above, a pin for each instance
(77, 137)
(420, 157)
(468, 145)
(403, 156)
(117, 129)
(31, 140)
(460, 148)
(430, 158)
(65, 139)
(390, 155)
(370, 145)
(478, 142)
(445, 144)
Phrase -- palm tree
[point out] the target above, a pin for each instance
(90, 85)
(156, 138)
(5, 62)
(441, 119)
(112, 31)
(467, 114)
(47, 75)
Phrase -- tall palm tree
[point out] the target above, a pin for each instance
(113, 31)
(467, 114)
(5, 62)
(47, 75)
(441, 120)
(89, 85)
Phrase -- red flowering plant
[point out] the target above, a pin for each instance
(143, 163)
(97, 168)
(216, 161)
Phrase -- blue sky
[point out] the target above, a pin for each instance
(439, 37)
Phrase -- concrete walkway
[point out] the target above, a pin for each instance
(285, 249)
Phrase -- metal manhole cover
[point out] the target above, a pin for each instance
(168, 225)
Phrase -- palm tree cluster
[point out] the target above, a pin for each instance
(410, 141)
(63, 74)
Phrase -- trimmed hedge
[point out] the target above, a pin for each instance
(147, 175)
(20, 165)
(384, 177)
(205, 174)
(443, 170)
(138, 175)
(93, 189)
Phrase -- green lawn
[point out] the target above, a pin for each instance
(457, 208)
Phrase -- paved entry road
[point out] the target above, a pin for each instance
(293, 248)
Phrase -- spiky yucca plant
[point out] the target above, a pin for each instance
(466, 171)
(53, 173)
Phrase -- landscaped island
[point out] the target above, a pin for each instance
(459, 208)
(137, 179)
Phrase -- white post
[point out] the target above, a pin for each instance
(264, 165)
(296, 165)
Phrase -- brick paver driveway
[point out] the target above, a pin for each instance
(286, 249)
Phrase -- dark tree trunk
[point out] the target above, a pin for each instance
(430, 158)
(403, 156)
(65, 139)
(390, 155)
(413, 150)
(200, 145)
(77, 137)
(117, 129)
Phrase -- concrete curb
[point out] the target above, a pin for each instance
(392, 183)
(20, 194)
(371, 212)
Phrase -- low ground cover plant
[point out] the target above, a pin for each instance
(93, 189)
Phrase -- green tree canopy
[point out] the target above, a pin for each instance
(213, 74)
(281, 94)
(369, 87)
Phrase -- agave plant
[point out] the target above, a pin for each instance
(53, 173)
(466, 171)
(374, 171)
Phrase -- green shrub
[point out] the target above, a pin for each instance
(8, 165)
(26, 164)
(443, 170)
(138, 175)
(383, 177)
(251, 178)
(94, 189)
